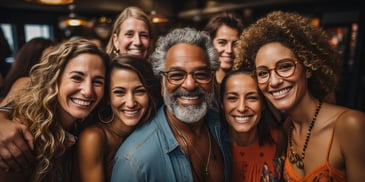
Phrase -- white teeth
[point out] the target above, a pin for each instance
(242, 118)
(130, 112)
(135, 51)
(281, 92)
(189, 98)
(81, 102)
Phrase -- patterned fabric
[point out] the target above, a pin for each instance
(256, 163)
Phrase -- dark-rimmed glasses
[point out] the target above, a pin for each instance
(177, 77)
(283, 68)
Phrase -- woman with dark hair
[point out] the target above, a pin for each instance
(257, 143)
(224, 30)
(131, 99)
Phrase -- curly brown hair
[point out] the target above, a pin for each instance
(310, 44)
(37, 107)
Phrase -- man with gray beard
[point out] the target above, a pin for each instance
(185, 141)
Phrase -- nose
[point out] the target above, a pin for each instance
(130, 101)
(137, 40)
(274, 79)
(229, 48)
(242, 106)
(189, 83)
(87, 90)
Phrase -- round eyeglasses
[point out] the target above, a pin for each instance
(283, 68)
(177, 77)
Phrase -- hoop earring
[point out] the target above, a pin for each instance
(105, 122)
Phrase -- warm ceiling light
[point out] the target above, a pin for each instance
(72, 20)
(51, 2)
(157, 18)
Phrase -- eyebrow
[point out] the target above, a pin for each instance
(198, 68)
(83, 74)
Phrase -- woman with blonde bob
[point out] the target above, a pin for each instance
(65, 88)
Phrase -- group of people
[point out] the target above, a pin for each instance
(148, 112)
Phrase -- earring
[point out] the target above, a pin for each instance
(116, 51)
(108, 121)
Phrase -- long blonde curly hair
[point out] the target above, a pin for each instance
(37, 108)
(309, 43)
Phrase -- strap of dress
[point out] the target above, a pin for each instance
(333, 133)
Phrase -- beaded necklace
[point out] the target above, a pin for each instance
(294, 157)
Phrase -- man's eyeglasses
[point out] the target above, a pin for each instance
(177, 77)
(283, 68)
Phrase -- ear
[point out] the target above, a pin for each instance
(308, 73)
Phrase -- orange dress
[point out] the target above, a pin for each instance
(256, 163)
(324, 172)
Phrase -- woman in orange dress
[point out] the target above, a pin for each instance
(258, 146)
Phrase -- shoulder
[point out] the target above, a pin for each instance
(18, 85)
(22, 80)
(350, 125)
(91, 136)
(145, 143)
(140, 139)
(350, 119)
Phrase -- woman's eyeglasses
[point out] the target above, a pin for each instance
(283, 68)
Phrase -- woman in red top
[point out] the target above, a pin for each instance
(258, 146)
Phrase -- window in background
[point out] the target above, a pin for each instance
(9, 36)
(33, 30)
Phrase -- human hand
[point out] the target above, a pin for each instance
(16, 145)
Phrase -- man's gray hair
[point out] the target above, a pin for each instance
(183, 35)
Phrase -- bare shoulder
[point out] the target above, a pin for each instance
(350, 124)
(92, 134)
(351, 119)
(18, 85)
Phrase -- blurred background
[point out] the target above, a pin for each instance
(22, 20)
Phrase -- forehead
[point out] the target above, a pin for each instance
(124, 76)
(186, 56)
(270, 53)
(226, 31)
(86, 62)
(242, 82)
(135, 24)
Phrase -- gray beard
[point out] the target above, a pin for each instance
(187, 113)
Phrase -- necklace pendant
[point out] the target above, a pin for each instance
(206, 172)
(292, 158)
(297, 157)
(300, 164)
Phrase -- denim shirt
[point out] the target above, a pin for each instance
(152, 153)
